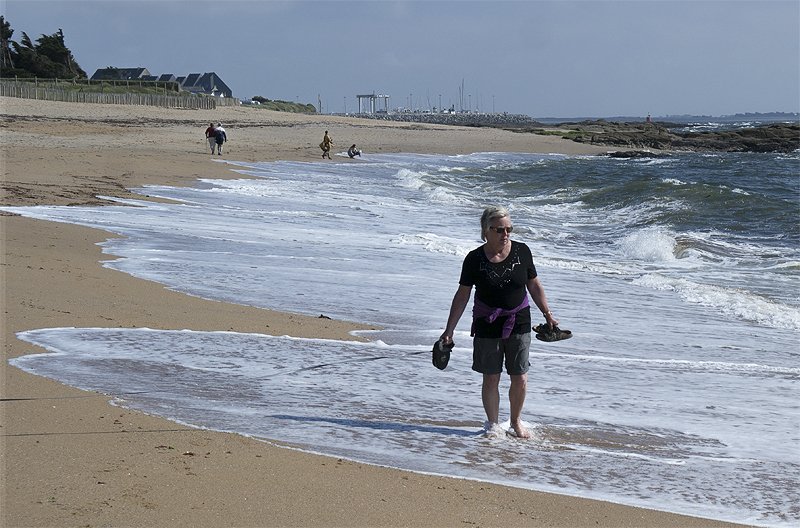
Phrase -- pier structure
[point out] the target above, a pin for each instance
(368, 104)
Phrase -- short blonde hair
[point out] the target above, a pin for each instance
(491, 213)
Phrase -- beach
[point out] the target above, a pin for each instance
(70, 458)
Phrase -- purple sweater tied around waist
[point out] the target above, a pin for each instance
(481, 309)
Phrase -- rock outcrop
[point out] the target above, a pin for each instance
(629, 135)
(778, 137)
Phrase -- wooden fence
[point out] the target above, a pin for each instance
(10, 89)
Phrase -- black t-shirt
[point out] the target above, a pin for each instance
(500, 285)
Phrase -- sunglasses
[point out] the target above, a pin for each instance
(501, 230)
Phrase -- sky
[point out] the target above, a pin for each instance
(588, 58)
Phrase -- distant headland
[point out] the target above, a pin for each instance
(748, 132)
(688, 118)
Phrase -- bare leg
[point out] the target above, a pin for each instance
(516, 395)
(490, 394)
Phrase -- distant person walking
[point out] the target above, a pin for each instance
(353, 151)
(326, 145)
(220, 137)
(212, 138)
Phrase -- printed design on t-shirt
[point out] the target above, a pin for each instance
(500, 274)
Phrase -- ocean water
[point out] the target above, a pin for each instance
(713, 126)
(678, 277)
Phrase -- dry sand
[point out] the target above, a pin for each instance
(69, 458)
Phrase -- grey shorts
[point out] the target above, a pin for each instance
(488, 354)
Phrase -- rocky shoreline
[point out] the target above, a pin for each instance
(774, 137)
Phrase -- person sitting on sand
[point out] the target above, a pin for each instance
(220, 137)
(212, 139)
(503, 274)
(353, 151)
(326, 145)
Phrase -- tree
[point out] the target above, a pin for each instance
(48, 58)
(25, 58)
(6, 61)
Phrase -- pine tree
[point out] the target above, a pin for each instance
(6, 61)
(49, 58)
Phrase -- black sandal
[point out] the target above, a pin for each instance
(547, 334)
(441, 354)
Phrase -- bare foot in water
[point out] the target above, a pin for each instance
(494, 430)
(520, 431)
